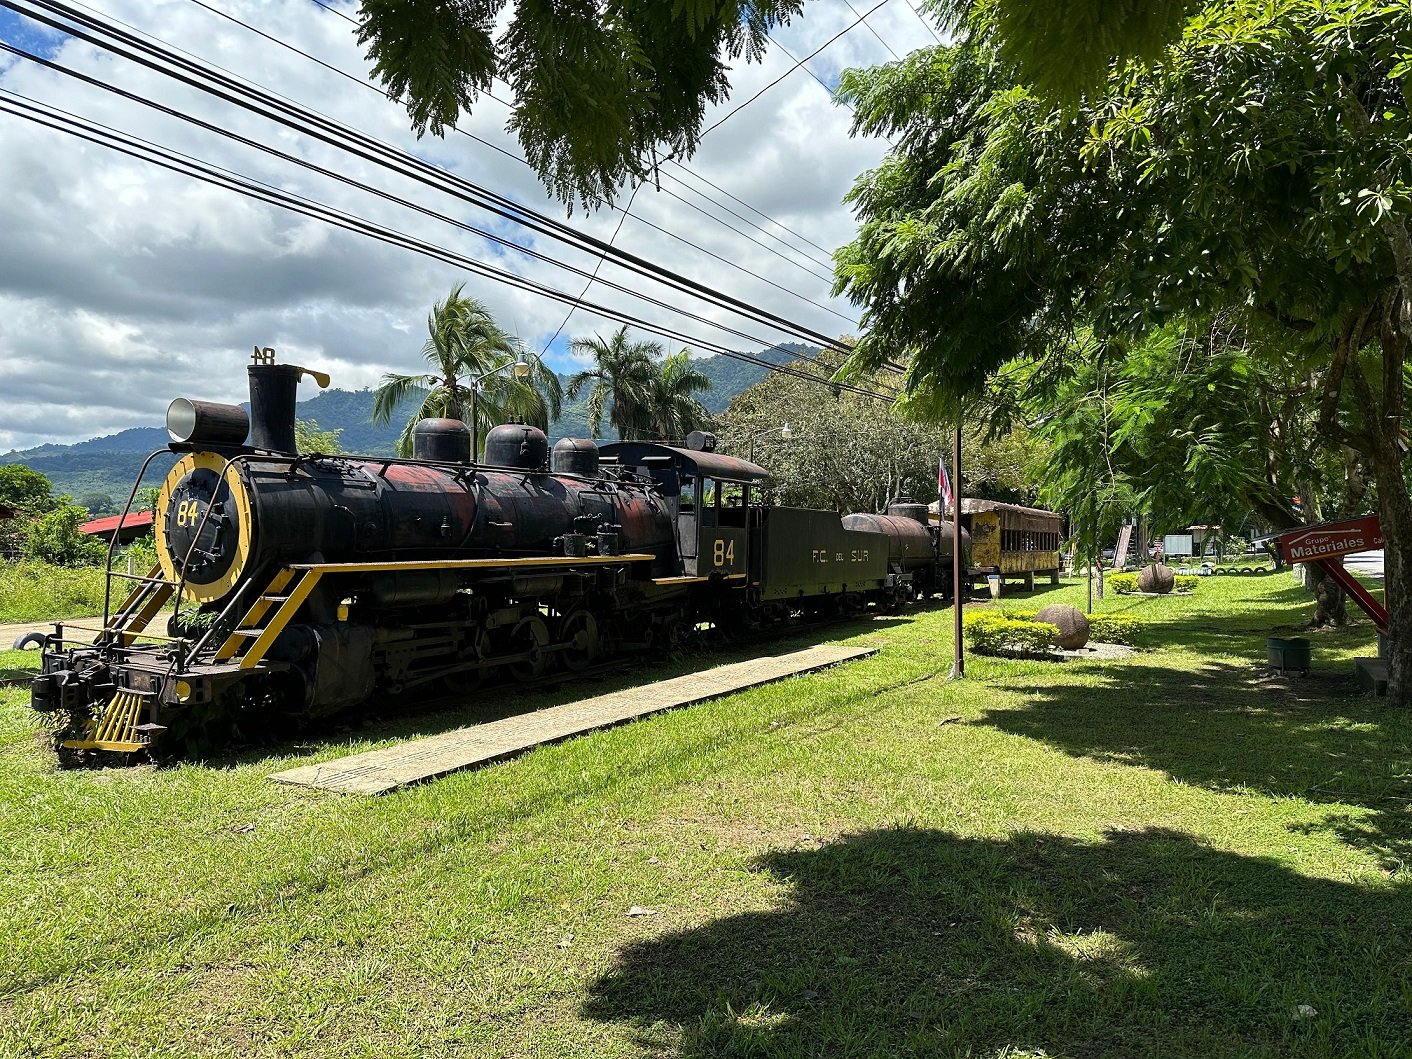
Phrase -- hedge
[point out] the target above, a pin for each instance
(994, 632)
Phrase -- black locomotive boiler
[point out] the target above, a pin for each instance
(297, 586)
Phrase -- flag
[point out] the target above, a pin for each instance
(943, 486)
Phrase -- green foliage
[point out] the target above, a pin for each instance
(147, 497)
(1122, 584)
(98, 504)
(24, 489)
(599, 93)
(644, 394)
(471, 357)
(845, 452)
(672, 402)
(995, 632)
(142, 552)
(1064, 48)
(1114, 628)
(1126, 584)
(308, 438)
(54, 538)
(37, 591)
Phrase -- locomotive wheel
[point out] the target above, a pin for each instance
(579, 635)
(529, 638)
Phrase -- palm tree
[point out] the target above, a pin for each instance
(623, 373)
(466, 345)
(674, 408)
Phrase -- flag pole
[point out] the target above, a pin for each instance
(958, 590)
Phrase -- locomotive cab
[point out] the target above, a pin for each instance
(709, 496)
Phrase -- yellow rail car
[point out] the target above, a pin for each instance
(1013, 541)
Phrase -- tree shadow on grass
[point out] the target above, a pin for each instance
(1258, 613)
(1230, 727)
(920, 942)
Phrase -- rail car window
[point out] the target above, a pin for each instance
(688, 494)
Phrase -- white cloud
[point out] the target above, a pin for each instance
(123, 285)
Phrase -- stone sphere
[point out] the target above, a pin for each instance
(1071, 623)
(1156, 578)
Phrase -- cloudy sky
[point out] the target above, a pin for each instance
(123, 285)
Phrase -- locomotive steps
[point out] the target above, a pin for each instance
(387, 769)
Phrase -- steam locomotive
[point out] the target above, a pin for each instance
(302, 585)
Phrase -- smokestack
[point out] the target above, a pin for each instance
(272, 394)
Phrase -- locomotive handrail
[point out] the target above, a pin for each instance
(225, 613)
(113, 541)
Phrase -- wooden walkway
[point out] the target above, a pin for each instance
(380, 771)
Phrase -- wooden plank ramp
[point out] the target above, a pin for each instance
(418, 760)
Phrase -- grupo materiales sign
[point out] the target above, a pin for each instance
(1331, 539)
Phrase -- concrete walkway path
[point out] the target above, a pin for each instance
(9, 633)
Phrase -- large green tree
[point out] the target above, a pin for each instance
(1259, 165)
(464, 345)
(675, 412)
(848, 452)
(620, 383)
(600, 94)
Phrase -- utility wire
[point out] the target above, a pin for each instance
(135, 147)
(261, 102)
(870, 29)
(797, 64)
(510, 106)
(747, 205)
(380, 193)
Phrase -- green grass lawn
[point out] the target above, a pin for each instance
(1164, 855)
(31, 591)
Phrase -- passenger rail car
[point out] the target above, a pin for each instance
(295, 586)
(1012, 541)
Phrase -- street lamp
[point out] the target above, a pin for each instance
(522, 369)
(783, 432)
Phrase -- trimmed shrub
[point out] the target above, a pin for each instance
(1113, 628)
(1122, 584)
(995, 632)
(1185, 582)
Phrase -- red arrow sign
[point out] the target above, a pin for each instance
(1330, 540)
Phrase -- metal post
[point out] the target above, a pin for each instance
(958, 590)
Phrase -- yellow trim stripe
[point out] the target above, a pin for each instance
(468, 564)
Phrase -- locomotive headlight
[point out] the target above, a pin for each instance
(183, 690)
(206, 422)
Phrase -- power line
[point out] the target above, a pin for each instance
(138, 148)
(870, 29)
(508, 105)
(265, 104)
(797, 64)
(747, 205)
(380, 193)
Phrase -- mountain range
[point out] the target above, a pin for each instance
(106, 466)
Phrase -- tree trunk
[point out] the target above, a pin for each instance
(1330, 602)
(1395, 514)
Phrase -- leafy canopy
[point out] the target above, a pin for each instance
(600, 92)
